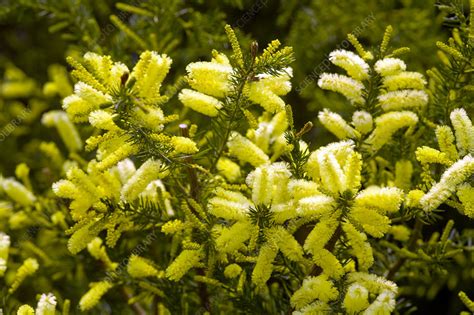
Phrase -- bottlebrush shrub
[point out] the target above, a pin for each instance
(235, 212)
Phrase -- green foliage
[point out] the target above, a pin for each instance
(152, 164)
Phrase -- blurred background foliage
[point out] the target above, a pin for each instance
(37, 36)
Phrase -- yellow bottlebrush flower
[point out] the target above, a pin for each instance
(102, 119)
(427, 155)
(387, 124)
(360, 247)
(28, 268)
(46, 305)
(211, 78)
(25, 310)
(445, 138)
(80, 238)
(383, 304)
(350, 88)
(233, 238)
(466, 196)
(316, 241)
(232, 271)
(403, 173)
(466, 300)
(362, 121)
(17, 192)
(318, 308)
(149, 171)
(93, 296)
(150, 117)
(413, 198)
(84, 100)
(183, 145)
(356, 299)
(97, 250)
(264, 266)
(112, 152)
(382, 199)
(139, 267)
(150, 71)
(404, 80)
(125, 169)
(314, 288)
(4, 249)
(65, 127)
(372, 222)
(300, 188)
(337, 125)
(200, 102)
(262, 185)
(454, 176)
(390, 66)
(286, 243)
(355, 66)
(267, 89)
(229, 205)
(186, 260)
(172, 227)
(246, 151)
(400, 232)
(315, 205)
(403, 99)
(229, 169)
(373, 283)
(464, 131)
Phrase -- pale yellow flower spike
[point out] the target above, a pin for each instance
(210, 78)
(356, 299)
(466, 196)
(337, 125)
(186, 260)
(229, 169)
(29, 267)
(200, 102)
(458, 173)
(150, 72)
(93, 296)
(362, 121)
(25, 310)
(390, 66)
(246, 151)
(403, 99)
(4, 249)
(139, 267)
(445, 138)
(387, 124)
(350, 88)
(17, 191)
(233, 238)
(314, 288)
(355, 66)
(149, 171)
(46, 305)
(361, 249)
(65, 127)
(464, 131)
(264, 266)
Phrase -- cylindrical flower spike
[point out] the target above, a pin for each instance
(149, 171)
(355, 66)
(46, 305)
(350, 88)
(95, 293)
(464, 131)
(458, 173)
(390, 66)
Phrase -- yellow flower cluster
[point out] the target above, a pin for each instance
(139, 267)
(93, 296)
(17, 191)
(212, 82)
(4, 249)
(29, 267)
